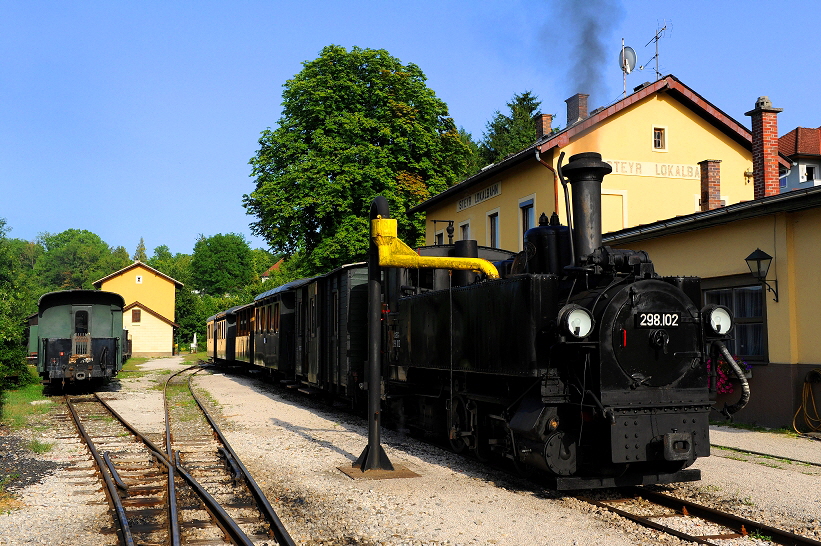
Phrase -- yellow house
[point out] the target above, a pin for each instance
(672, 152)
(150, 307)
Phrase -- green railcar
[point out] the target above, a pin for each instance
(78, 336)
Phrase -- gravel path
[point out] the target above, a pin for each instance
(295, 446)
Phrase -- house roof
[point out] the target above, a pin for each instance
(783, 202)
(150, 312)
(801, 141)
(273, 268)
(138, 263)
(668, 84)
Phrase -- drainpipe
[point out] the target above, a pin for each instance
(555, 179)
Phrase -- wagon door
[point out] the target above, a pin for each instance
(81, 329)
(312, 333)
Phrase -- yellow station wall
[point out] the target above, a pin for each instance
(625, 139)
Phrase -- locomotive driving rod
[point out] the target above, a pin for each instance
(394, 253)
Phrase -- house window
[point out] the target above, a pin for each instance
(659, 138)
(439, 238)
(136, 314)
(464, 231)
(528, 215)
(493, 229)
(139, 279)
(748, 306)
(809, 172)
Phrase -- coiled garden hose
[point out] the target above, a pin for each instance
(807, 407)
(745, 387)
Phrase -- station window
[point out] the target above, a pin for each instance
(464, 231)
(748, 304)
(528, 214)
(439, 238)
(136, 315)
(659, 138)
(493, 229)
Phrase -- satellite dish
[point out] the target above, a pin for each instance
(627, 59)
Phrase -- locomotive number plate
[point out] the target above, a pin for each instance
(657, 320)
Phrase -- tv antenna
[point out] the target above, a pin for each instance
(627, 62)
(656, 38)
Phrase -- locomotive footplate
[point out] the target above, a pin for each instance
(567, 483)
(670, 433)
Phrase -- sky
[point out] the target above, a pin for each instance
(137, 119)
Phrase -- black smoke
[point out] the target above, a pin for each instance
(581, 33)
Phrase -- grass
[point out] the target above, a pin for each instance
(787, 431)
(40, 447)
(194, 357)
(758, 535)
(17, 407)
(7, 501)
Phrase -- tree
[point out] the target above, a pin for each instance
(139, 254)
(473, 162)
(507, 134)
(14, 306)
(76, 258)
(221, 264)
(355, 125)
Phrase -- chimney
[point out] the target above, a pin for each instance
(710, 184)
(576, 108)
(543, 124)
(765, 148)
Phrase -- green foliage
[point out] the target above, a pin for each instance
(17, 407)
(355, 124)
(221, 264)
(508, 134)
(76, 258)
(473, 162)
(15, 291)
(139, 254)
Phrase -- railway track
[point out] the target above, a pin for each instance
(194, 490)
(690, 521)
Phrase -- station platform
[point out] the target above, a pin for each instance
(804, 449)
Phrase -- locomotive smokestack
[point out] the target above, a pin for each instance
(585, 173)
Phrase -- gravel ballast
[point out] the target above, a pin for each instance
(294, 447)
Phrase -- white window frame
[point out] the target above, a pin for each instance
(489, 242)
(462, 225)
(436, 235)
(666, 138)
(803, 179)
(523, 202)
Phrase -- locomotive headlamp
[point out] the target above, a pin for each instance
(718, 319)
(576, 321)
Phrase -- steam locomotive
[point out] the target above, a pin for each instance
(579, 362)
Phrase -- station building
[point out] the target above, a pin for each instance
(150, 307)
(672, 152)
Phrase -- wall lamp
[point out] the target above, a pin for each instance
(759, 264)
(449, 229)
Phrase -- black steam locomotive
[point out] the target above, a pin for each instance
(579, 362)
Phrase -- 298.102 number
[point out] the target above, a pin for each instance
(658, 320)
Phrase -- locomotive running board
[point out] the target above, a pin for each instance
(562, 483)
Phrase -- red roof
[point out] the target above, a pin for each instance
(801, 141)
